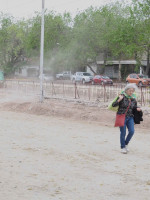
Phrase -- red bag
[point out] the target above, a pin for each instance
(120, 119)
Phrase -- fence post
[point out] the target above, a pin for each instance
(142, 96)
(104, 93)
(76, 91)
(89, 92)
(53, 89)
(63, 90)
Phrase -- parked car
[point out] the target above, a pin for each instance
(139, 79)
(64, 75)
(83, 77)
(103, 80)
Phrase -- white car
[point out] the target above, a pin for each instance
(83, 77)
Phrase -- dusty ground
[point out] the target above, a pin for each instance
(68, 151)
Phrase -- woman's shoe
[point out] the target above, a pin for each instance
(124, 150)
(127, 148)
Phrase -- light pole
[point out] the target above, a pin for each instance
(42, 52)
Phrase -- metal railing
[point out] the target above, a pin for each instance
(85, 92)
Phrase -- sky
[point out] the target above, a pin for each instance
(27, 8)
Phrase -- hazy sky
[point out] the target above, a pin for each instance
(26, 8)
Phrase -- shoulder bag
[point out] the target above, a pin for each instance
(120, 118)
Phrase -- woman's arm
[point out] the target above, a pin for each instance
(116, 103)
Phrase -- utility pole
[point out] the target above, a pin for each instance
(42, 53)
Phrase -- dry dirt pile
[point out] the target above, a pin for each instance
(76, 110)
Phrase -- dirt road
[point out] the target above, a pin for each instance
(55, 158)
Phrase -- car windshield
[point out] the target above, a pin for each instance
(105, 77)
(86, 74)
(142, 76)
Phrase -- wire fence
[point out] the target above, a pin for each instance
(85, 92)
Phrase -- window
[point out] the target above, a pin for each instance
(135, 76)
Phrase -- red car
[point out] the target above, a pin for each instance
(103, 80)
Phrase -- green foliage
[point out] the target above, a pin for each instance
(12, 38)
(118, 30)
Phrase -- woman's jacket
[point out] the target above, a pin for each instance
(123, 105)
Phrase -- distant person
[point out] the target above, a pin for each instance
(127, 102)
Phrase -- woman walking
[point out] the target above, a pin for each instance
(127, 103)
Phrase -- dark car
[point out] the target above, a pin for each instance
(102, 80)
(139, 79)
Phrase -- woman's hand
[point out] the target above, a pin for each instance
(120, 98)
(139, 109)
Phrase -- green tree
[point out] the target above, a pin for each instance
(142, 12)
(131, 35)
(87, 38)
(57, 35)
(12, 38)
